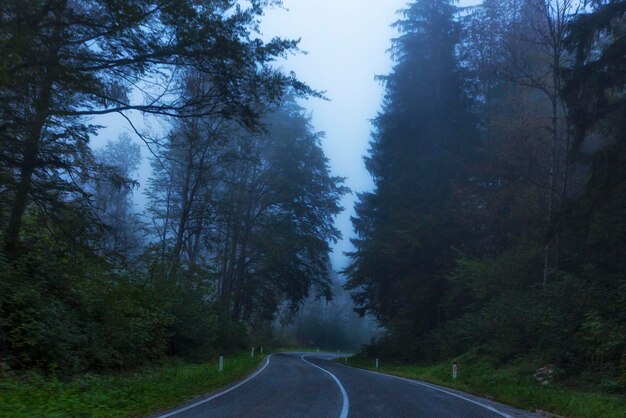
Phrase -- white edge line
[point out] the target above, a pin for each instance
(217, 395)
(345, 408)
(433, 387)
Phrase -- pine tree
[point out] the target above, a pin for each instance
(596, 99)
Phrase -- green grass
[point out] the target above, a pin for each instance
(512, 384)
(118, 395)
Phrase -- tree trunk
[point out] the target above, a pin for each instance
(33, 140)
(27, 168)
(548, 267)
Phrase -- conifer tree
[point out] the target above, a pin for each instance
(422, 137)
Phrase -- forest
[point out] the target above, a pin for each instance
(240, 203)
(496, 225)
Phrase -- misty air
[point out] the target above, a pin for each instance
(313, 208)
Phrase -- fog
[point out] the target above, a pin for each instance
(344, 45)
(181, 179)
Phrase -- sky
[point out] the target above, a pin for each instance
(345, 44)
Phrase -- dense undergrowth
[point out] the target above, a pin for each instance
(140, 393)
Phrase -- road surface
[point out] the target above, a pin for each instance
(293, 385)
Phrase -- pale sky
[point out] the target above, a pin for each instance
(346, 43)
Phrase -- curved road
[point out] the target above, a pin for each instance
(309, 385)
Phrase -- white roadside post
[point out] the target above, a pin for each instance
(252, 352)
(345, 358)
(220, 364)
(455, 370)
(261, 349)
(376, 362)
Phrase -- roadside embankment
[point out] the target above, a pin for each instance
(512, 384)
(136, 394)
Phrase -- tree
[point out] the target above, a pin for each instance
(276, 211)
(253, 210)
(112, 195)
(64, 61)
(423, 138)
(523, 52)
(505, 200)
(595, 97)
(594, 220)
(181, 189)
(329, 325)
(491, 299)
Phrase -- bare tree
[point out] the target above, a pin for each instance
(523, 43)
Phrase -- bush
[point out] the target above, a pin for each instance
(64, 311)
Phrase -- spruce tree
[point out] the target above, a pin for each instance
(422, 138)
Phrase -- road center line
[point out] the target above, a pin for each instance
(217, 395)
(433, 387)
(346, 402)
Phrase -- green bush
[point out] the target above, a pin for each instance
(65, 310)
(67, 313)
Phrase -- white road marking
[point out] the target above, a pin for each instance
(217, 395)
(345, 408)
(433, 387)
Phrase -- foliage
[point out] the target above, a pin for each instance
(253, 210)
(84, 286)
(64, 61)
(514, 245)
(70, 311)
(140, 393)
(422, 142)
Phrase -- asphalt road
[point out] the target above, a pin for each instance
(309, 385)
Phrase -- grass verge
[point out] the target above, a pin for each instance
(512, 384)
(118, 395)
